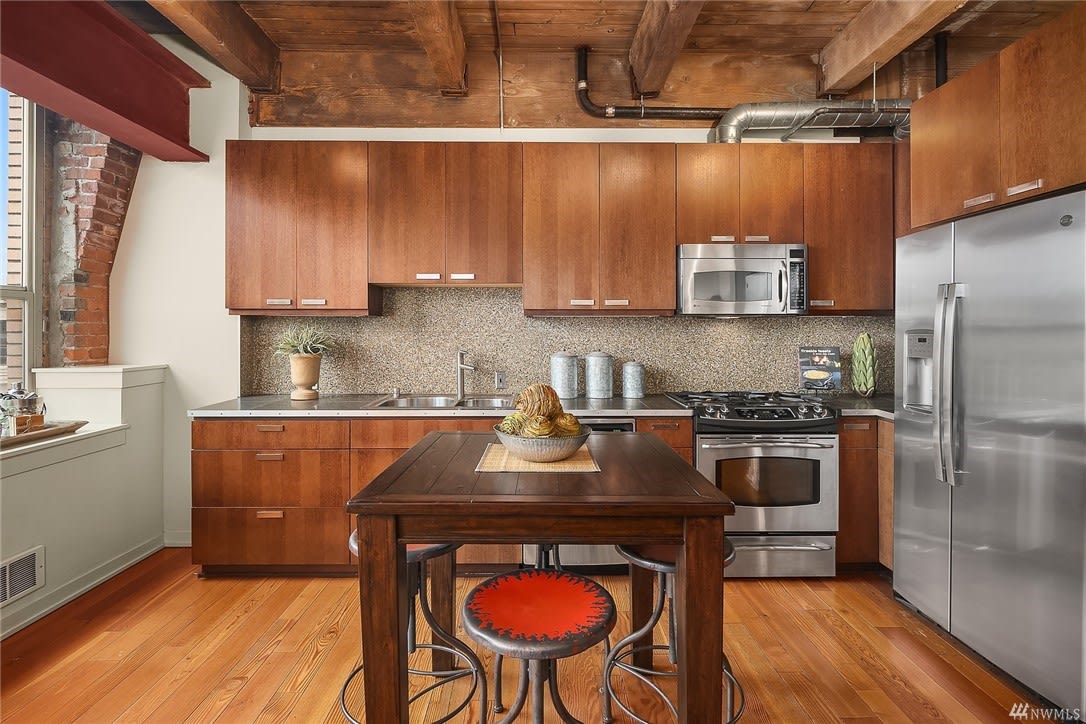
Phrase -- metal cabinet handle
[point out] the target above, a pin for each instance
(462, 277)
(977, 201)
(268, 514)
(722, 238)
(821, 302)
(781, 547)
(730, 445)
(581, 302)
(1036, 183)
(616, 302)
(857, 426)
(269, 428)
(665, 426)
(429, 276)
(756, 237)
(313, 302)
(269, 456)
(277, 302)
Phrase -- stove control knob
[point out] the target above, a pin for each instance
(802, 409)
(819, 410)
(723, 409)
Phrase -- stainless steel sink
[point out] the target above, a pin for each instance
(417, 401)
(490, 403)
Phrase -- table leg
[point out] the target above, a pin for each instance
(641, 583)
(442, 574)
(699, 605)
(382, 585)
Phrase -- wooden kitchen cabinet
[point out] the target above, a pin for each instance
(270, 492)
(750, 192)
(848, 224)
(292, 209)
(886, 493)
(407, 213)
(858, 506)
(677, 432)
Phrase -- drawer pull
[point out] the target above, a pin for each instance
(857, 426)
(665, 426)
(756, 237)
(462, 277)
(269, 428)
(722, 238)
(1027, 186)
(268, 514)
(269, 456)
(581, 302)
(977, 201)
(822, 302)
(277, 302)
(427, 276)
(616, 302)
(314, 302)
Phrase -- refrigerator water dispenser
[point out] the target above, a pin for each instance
(917, 395)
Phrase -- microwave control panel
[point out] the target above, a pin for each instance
(797, 285)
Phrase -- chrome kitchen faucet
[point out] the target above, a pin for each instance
(460, 367)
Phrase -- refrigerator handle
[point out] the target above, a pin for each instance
(951, 404)
(937, 383)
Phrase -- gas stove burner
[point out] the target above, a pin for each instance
(742, 410)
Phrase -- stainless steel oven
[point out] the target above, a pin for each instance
(785, 490)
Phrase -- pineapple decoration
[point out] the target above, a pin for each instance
(865, 365)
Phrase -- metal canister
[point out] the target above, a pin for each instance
(564, 374)
(598, 375)
(633, 379)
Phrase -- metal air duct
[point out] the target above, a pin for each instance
(791, 116)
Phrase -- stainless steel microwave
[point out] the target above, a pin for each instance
(732, 279)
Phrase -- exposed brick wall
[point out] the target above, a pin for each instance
(95, 175)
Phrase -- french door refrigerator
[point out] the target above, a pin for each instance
(990, 426)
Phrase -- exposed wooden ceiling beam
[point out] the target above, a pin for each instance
(660, 37)
(878, 33)
(229, 36)
(86, 61)
(441, 36)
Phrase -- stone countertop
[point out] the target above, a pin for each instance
(850, 405)
(362, 406)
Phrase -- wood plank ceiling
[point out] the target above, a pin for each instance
(403, 63)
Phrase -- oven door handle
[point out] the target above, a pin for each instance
(729, 445)
(781, 547)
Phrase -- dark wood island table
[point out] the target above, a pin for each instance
(643, 493)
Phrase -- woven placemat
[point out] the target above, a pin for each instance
(497, 459)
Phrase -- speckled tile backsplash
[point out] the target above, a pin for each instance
(413, 346)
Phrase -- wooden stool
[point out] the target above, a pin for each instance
(661, 559)
(417, 555)
(538, 616)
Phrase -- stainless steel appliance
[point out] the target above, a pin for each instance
(776, 456)
(731, 279)
(990, 449)
(588, 555)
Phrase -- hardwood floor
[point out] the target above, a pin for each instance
(156, 643)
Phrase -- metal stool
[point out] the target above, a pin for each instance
(661, 559)
(417, 555)
(538, 615)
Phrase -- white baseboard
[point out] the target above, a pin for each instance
(20, 615)
(178, 538)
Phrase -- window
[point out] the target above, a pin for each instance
(20, 303)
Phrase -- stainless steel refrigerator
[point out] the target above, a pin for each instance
(990, 448)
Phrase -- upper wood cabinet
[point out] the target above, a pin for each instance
(954, 159)
(296, 228)
(599, 228)
(849, 227)
(483, 206)
(746, 192)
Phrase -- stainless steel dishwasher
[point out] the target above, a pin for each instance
(595, 555)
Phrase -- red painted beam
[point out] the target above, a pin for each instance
(86, 61)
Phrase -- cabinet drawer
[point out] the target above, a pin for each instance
(269, 434)
(368, 464)
(298, 478)
(270, 536)
(402, 433)
(675, 431)
(858, 432)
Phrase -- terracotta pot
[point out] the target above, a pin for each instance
(305, 373)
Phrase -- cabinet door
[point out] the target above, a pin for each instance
(484, 210)
(561, 226)
(848, 222)
(858, 532)
(771, 193)
(407, 213)
(331, 207)
(953, 146)
(261, 225)
(886, 493)
(1042, 100)
(637, 227)
(707, 192)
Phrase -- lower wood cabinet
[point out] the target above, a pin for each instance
(858, 516)
(272, 536)
(677, 432)
(886, 493)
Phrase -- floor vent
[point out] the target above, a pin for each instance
(22, 574)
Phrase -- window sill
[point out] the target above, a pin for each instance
(86, 441)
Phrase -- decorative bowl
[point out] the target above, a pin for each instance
(543, 449)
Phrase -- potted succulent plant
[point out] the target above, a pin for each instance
(305, 345)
